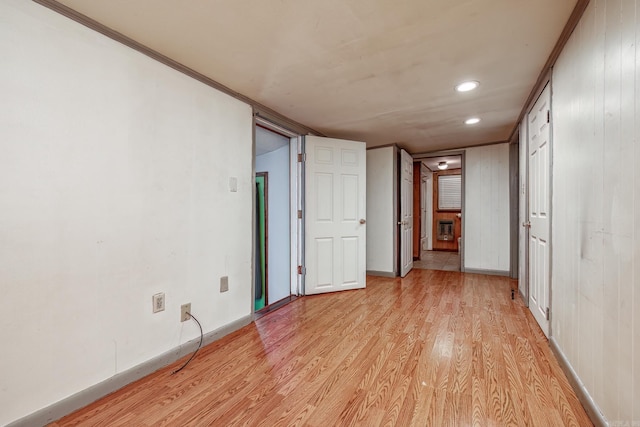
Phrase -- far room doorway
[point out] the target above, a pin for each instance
(437, 194)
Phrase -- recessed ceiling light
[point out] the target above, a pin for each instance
(467, 86)
(442, 165)
(472, 121)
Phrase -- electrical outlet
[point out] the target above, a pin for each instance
(158, 302)
(184, 310)
(224, 284)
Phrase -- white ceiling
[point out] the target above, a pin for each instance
(377, 71)
(267, 141)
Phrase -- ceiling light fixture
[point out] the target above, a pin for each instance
(472, 121)
(442, 165)
(467, 86)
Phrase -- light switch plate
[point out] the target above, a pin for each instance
(158, 302)
(224, 283)
(233, 184)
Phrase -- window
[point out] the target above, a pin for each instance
(450, 192)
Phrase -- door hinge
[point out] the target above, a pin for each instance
(302, 270)
(548, 116)
(547, 313)
(302, 157)
(300, 214)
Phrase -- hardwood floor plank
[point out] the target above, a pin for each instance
(436, 348)
(478, 403)
(291, 416)
(395, 405)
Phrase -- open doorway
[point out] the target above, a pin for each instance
(438, 212)
(272, 261)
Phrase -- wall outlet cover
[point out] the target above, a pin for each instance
(184, 310)
(224, 283)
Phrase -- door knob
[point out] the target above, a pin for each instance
(363, 221)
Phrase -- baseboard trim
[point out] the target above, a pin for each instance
(525, 299)
(89, 395)
(381, 273)
(489, 272)
(594, 413)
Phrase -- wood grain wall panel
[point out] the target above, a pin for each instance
(486, 209)
(381, 205)
(595, 303)
(612, 115)
(570, 237)
(634, 299)
(622, 212)
(590, 272)
(592, 199)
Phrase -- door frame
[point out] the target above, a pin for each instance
(463, 168)
(426, 206)
(296, 203)
(296, 150)
(523, 209)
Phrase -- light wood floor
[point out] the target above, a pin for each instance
(437, 348)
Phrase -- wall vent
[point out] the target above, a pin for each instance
(444, 229)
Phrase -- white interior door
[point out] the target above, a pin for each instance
(539, 146)
(335, 208)
(406, 213)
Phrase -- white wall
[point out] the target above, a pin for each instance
(486, 209)
(276, 163)
(114, 185)
(381, 204)
(595, 311)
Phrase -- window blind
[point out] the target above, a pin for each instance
(450, 192)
